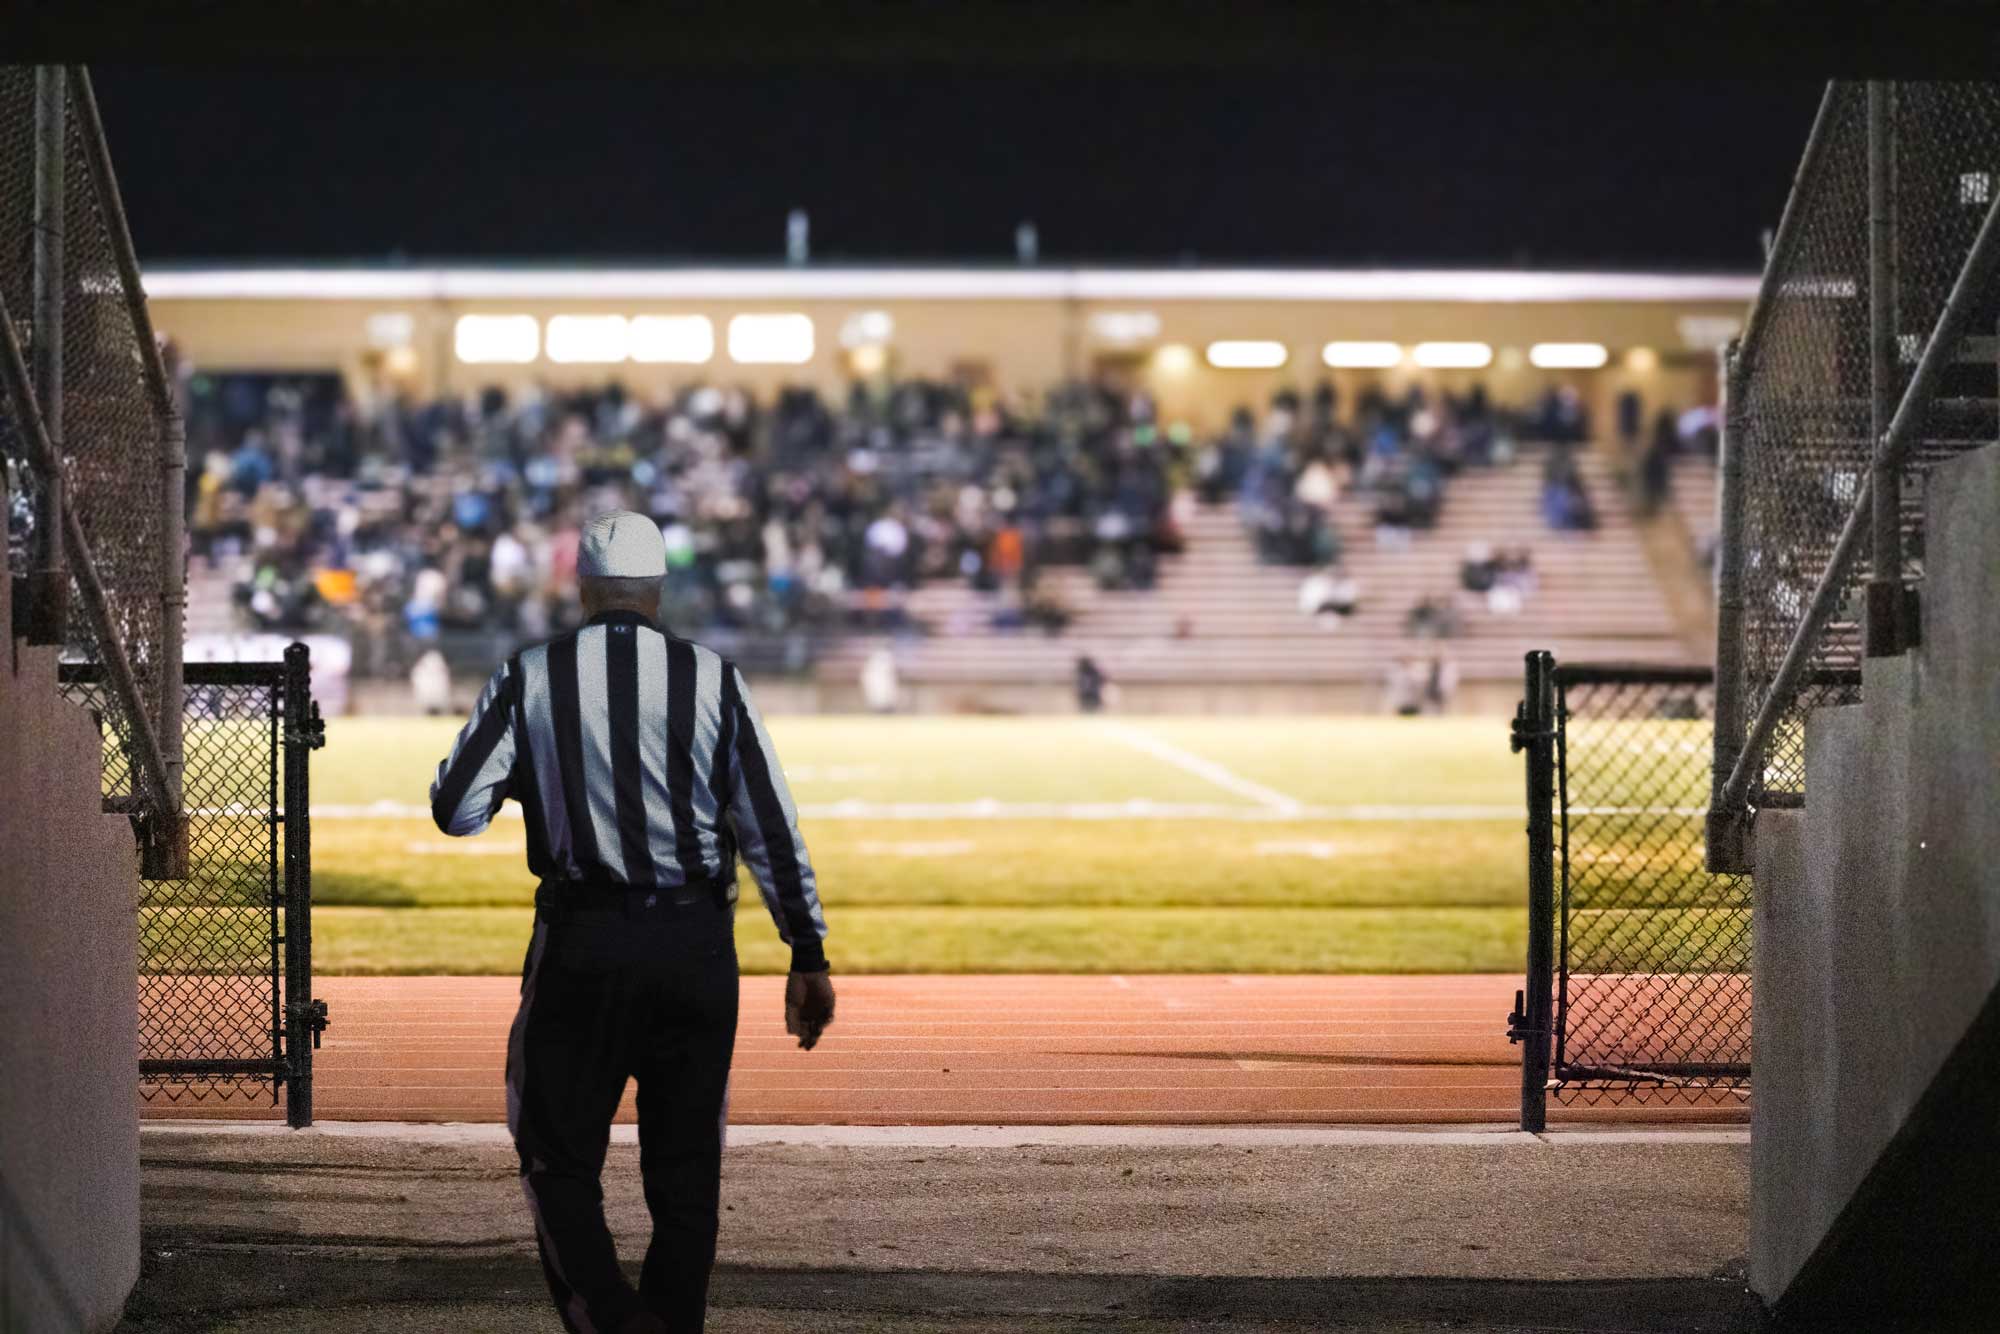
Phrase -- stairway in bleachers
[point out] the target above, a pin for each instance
(1218, 615)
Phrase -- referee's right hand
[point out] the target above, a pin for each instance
(808, 1006)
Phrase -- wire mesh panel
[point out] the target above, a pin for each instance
(1802, 420)
(225, 1009)
(1804, 403)
(209, 968)
(1652, 992)
(112, 428)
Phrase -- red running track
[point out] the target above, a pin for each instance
(996, 1050)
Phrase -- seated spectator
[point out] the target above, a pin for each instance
(1656, 477)
(1433, 618)
(1513, 581)
(1480, 568)
(1329, 594)
(1566, 505)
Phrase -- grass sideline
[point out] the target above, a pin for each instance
(1281, 848)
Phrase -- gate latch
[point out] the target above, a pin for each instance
(1518, 1029)
(311, 731)
(314, 1014)
(1520, 736)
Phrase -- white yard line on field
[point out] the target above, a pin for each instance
(1189, 762)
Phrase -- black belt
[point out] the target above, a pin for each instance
(555, 898)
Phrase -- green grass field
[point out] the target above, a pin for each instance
(1014, 844)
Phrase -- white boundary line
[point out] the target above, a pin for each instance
(471, 1135)
(1189, 762)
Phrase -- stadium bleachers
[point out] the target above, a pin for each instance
(1694, 488)
(1218, 615)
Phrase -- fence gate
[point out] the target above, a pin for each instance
(225, 954)
(1638, 984)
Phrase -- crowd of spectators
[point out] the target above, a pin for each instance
(404, 522)
(1397, 454)
(463, 514)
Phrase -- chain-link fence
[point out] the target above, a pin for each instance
(1639, 957)
(1873, 243)
(225, 1006)
(97, 394)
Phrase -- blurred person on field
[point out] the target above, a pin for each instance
(1090, 684)
(430, 684)
(879, 686)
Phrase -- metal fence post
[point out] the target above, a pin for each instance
(304, 1016)
(1885, 582)
(1726, 844)
(1534, 733)
(48, 578)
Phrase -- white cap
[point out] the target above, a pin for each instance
(619, 544)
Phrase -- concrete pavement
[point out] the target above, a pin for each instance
(978, 1228)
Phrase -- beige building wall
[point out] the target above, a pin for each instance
(1660, 345)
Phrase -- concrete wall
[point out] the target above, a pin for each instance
(69, 1109)
(1878, 910)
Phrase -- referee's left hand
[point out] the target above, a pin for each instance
(808, 1006)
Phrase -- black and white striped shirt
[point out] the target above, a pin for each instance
(638, 759)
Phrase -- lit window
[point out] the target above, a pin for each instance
(1453, 356)
(781, 340)
(1246, 354)
(1125, 326)
(1373, 356)
(867, 326)
(1568, 356)
(1975, 187)
(687, 340)
(588, 338)
(513, 339)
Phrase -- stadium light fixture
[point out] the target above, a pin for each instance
(1246, 354)
(1568, 356)
(1125, 326)
(685, 340)
(1453, 356)
(391, 328)
(594, 339)
(497, 339)
(1362, 356)
(864, 327)
(771, 340)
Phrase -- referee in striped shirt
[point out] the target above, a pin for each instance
(642, 769)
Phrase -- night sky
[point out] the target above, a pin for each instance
(1162, 163)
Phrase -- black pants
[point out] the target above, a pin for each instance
(633, 985)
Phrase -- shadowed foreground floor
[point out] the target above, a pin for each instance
(422, 1228)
